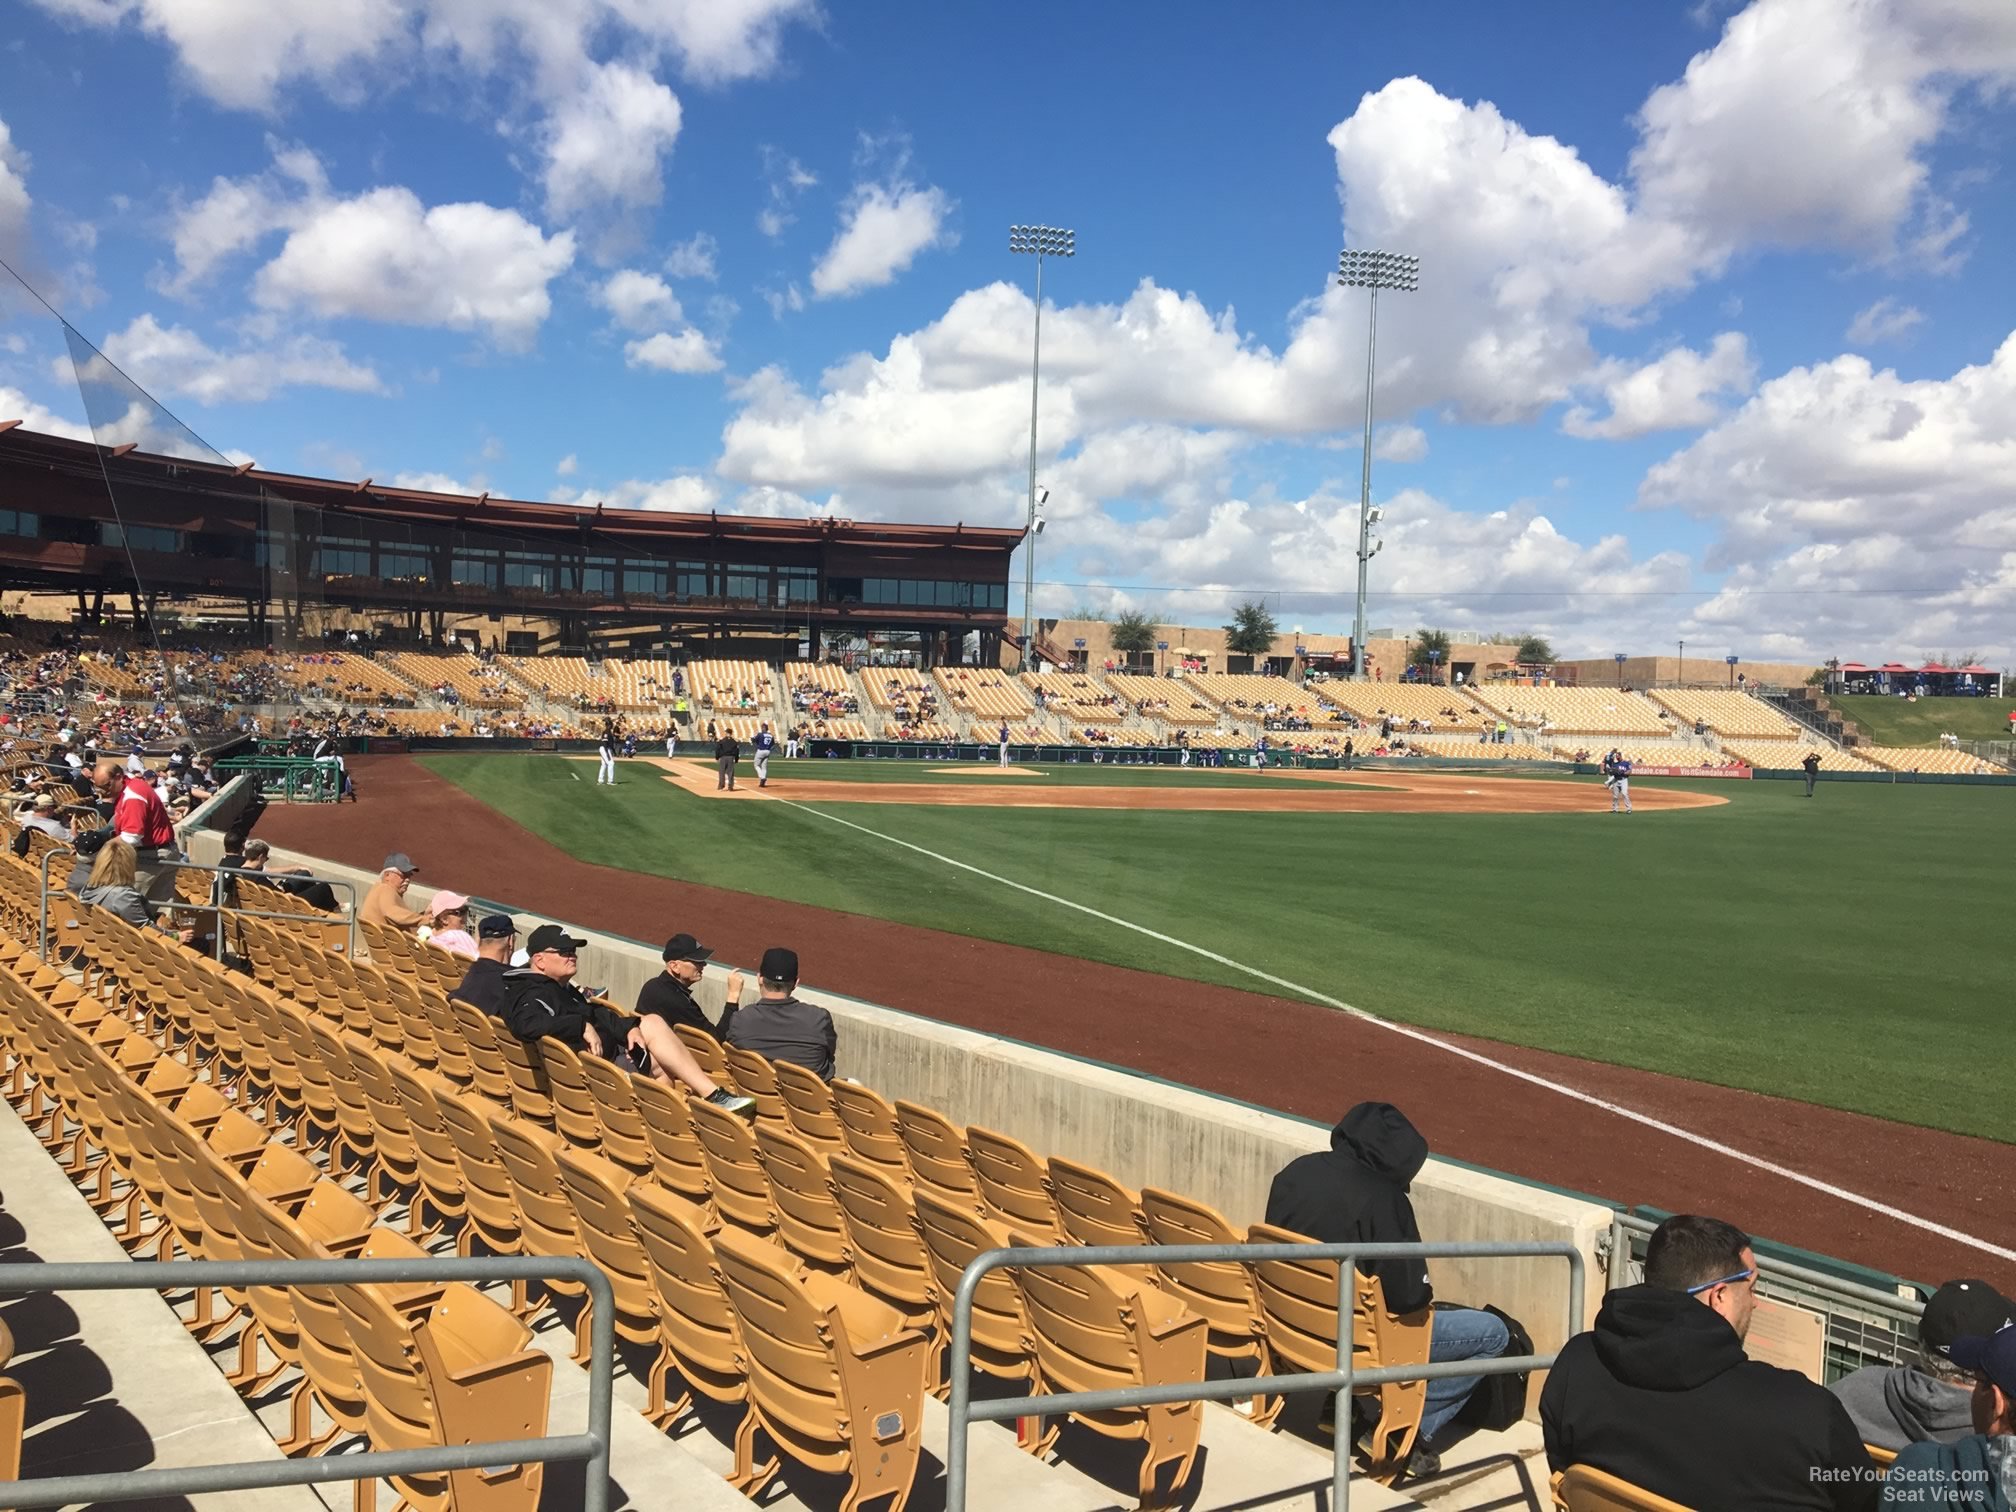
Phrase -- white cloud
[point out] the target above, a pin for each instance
(1400, 443)
(437, 482)
(788, 300)
(173, 361)
(1808, 122)
(693, 258)
(607, 142)
(385, 256)
(1885, 320)
(237, 214)
(882, 229)
(1675, 391)
(784, 179)
(15, 405)
(14, 200)
(686, 493)
(685, 351)
(639, 301)
(568, 466)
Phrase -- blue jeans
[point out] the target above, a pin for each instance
(1458, 1333)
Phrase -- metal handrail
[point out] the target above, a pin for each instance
(1340, 1382)
(215, 905)
(247, 1475)
(1895, 1304)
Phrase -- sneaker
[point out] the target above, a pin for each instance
(721, 1097)
(1421, 1464)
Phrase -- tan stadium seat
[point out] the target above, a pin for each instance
(808, 1216)
(596, 1187)
(677, 1161)
(742, 1193)
(835, 1378)
(697, 1332)
(459, 1372)
(490, 1203)
(625, 1140)
(531, 1095)
(13, 1423)
(357, 1122)
(936, 1148)
(1003, 1347)
(488, 1074)
(1096, 1330)
(436, 1163)
(1584, 1488)
(1093, 1208)
(1298, 1304)
(575, 1114)
(808, 1104)
(707, 1051)
(1219, 1293)
(394, 1146)
(868, 1124)
(1014, 1184)
(756, 1077)
(887, 1254)
(450, 1039)
(1880, 1457)
(546, 1220)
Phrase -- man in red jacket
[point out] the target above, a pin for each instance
(140, 818)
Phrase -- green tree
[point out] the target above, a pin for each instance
(1252, 630)
(1133, 632)
(1534, 648)
(1426, 641)
(1088, 612)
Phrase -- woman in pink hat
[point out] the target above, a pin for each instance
(448, 925)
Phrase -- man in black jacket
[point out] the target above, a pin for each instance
(482, 985)
(669, 995)
(540, 1000)
(1357, 1191)
(1661, 1394)
(727, 751)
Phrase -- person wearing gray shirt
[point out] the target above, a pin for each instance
(1931, 1398)
(777, 1025)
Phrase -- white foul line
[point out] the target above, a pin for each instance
(1407, 1032)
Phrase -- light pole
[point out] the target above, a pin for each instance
(1373, 271)
(1043, 241)
(1680, 672)
(1620, 669)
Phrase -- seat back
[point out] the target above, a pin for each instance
(742, 1193)
(677, 1160)
(707, 1051)
(808, 1104)
(597, 1188)
(693, 1314)
(1584, 1488)
(808, 1217)
(868, 1124)
(953, 1235)
(1093, 1208)
(450, 1039)
(624, 1138)
(575, 1113)
(1014, 1184)
(545, 1216)
(488, 1074)
(936, 1150)
(439, 1167)
(531, 1094)
(488, 1198)
(889, 1258)
(1222, 1294)
(757, 1078)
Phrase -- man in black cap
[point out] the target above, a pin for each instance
(482, 985)
(727, 751)
(1931, 1398)
(1976, 1473)
(669, 995)
(777, 1025)
(541, 1001)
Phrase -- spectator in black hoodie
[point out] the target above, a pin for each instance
(1357, 1190)
(1661, 1394)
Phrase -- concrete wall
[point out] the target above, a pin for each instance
(1143, 1131)
(1643, 672)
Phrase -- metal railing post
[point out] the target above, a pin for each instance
(1340, 1401)
(42, 930)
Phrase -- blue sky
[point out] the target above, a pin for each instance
(1713, 339)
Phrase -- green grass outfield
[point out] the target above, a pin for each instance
(1900, 722)
(1843, 950)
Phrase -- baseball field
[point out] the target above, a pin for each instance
(1843, 951)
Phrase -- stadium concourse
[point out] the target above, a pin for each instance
(1489, 1105)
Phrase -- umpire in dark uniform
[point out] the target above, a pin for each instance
(727, 751)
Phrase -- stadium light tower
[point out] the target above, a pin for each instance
(1373, 271)
(1042, 241)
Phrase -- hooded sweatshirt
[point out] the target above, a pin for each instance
(1661, 1394)
(1893, 1406)
(1973, 1475)
(1357, 1190)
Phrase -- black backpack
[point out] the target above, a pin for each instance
(1499, 1400)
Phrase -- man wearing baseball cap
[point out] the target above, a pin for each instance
(1931, 1399)
(777, 1025)
(1977, 1473)
(482, 985)
(669, 995)
(541, 1001)
(385, 903)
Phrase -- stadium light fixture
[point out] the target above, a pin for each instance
(1039, 242)
(1362, 268)
(1732, 672)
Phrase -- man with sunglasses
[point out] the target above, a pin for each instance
(1661, 1394)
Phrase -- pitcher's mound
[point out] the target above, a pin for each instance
(982, 769)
